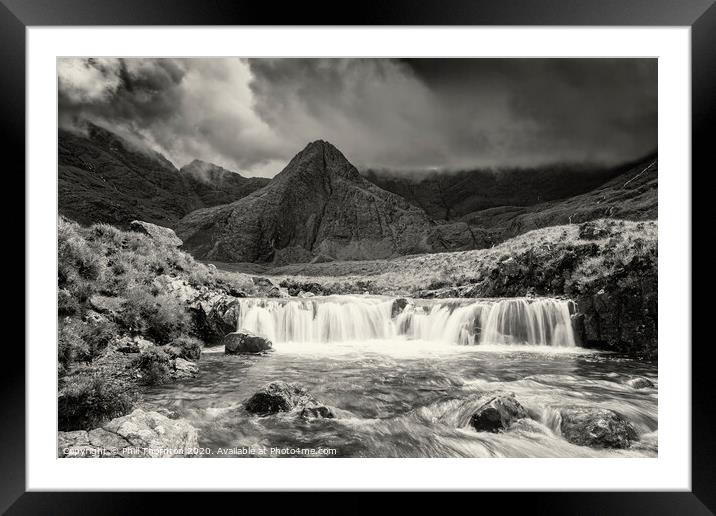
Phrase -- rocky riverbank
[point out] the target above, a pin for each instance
(134, 310)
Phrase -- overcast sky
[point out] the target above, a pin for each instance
(253, 115)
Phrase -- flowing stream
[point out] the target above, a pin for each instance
(404, 377)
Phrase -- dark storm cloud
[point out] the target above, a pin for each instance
(184, 108)
(403, 114)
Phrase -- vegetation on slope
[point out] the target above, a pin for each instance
(120, 324)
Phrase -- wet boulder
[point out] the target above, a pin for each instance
(596, 427)
(286, 397)
(317, 411)
(497, 413)
(639, 382)
(398, 307)
(278, 397)
(245, 342)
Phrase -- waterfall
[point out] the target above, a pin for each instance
(538, 321)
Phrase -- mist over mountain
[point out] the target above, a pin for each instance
(105, 178)
(216, 185)
(451, 194)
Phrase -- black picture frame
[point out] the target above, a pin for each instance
(17, 15)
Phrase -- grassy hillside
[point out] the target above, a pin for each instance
(124, 318)
(412, 275)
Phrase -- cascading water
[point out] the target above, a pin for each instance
(400, 386)
(539, 322)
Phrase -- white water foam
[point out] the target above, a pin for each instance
(345, 319)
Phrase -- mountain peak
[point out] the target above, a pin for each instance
(319, 159)
(320, 144)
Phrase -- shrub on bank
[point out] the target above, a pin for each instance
(83, 341)
(88, 401)
(161, 318)
(185, 347)
(153, 365)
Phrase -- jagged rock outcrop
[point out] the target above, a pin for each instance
(160, 234)
(319, 205)
(139, 434)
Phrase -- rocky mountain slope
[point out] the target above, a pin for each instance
(452, 195)
(318, 208)
(105, 178)
(633, 195)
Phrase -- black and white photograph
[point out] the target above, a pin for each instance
(357, 257)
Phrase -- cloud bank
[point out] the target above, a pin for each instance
(253, 115)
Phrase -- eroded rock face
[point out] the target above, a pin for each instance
(139, 434)
(398, 307)
(160, 234)
(286, 397)
(215, 315)
(596, 427)
(319, 205)
(497, 414)
(245, 342)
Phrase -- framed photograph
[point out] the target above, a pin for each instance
(422, 249)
